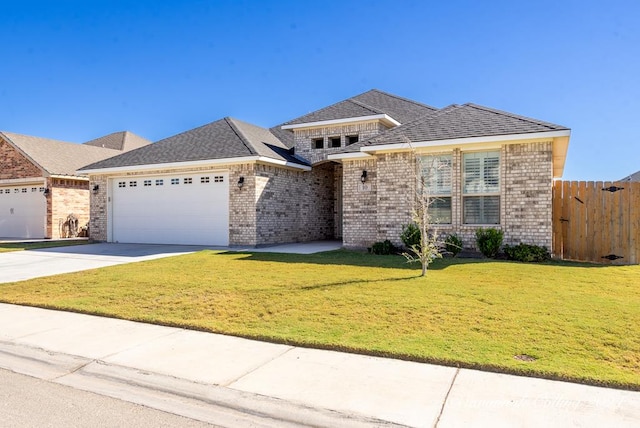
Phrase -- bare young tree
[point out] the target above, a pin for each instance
(424, 197)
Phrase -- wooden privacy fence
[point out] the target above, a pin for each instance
(597, 221)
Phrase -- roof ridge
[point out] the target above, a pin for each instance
(365, 105)
(243, 138)
(400, 98)
(515, 116)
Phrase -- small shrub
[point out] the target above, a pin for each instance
(411, 235)
(527, 253)
(453, 244)
(489, 241)
(383, 248)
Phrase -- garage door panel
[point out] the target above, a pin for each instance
(22, 212)
(183, 213)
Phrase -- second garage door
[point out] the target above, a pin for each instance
(22, 212)
(185, 209)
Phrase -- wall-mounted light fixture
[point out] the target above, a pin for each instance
(363, 177)
(46, 192)
(240, 182)
(96, 189)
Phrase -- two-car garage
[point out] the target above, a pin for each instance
(189, 209)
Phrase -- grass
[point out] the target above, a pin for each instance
(577, 322)
(20, 246)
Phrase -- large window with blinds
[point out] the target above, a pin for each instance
(436, 173)
(481, 188)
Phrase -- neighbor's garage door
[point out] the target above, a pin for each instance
(186, 209)
(23, 212)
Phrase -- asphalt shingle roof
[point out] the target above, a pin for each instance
(123, 141)
(366, 104)
(459, 121)
(57, 157)
(222, 139)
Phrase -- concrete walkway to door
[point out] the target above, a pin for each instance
(22, 265)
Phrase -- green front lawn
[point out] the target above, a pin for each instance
(19, 246)
(576, 321)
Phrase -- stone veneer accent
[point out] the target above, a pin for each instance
(304, 137)
(526, 172)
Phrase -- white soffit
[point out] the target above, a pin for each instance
(384, 118)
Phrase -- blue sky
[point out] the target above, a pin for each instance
(77, 70)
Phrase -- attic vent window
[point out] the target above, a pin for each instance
(352, 139)
(318, 143)
(335, 141)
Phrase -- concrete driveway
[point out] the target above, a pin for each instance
(21, 265)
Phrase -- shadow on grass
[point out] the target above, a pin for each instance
(361, 259)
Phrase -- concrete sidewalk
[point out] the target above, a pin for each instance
(230, 381)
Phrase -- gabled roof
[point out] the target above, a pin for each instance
(459, 121)
(123, 141)
(369, 103)
(56, 157)
(223, 139)
(633, 177)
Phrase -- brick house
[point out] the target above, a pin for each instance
(39, 186)
(346, 171)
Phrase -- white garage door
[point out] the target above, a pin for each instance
(23, 212)
(186, 209)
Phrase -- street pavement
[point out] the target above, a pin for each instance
(234, 382)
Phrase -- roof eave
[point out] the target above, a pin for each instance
(194, 164)
(384, 118)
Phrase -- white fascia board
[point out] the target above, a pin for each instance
(352, 156)
(322, 123)
(69, 177)
(467, 141)
(192, 164)
(32, 180)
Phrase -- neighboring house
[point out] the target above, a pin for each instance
(347, 171)
(39, 186)
(633, 177)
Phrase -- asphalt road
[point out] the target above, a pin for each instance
(31, 402)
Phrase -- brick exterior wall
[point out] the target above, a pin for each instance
(294, 206)
(359, 204)
(304, 138)
(526, 175)
(67, 196)
(14, 165)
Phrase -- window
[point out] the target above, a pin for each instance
(122, 184)
(204, 180)
(160, 182)
(318, 143)
(187, 180)
(133, 184)
(335, 141)
(481, 188)
(34, 189)
(436, 173)
(352, 139)
(175, 181)
(218, 179)
(24, 190)
(147, 183)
